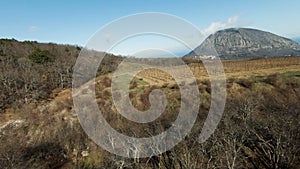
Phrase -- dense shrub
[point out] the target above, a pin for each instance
(40, 56)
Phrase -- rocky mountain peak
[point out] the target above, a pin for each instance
(239, 43)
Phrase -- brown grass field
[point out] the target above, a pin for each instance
(235, 69)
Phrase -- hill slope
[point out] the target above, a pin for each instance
(247, 43)
(261, 116)
(29, 70)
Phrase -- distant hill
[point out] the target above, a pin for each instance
(17, 49)
(297, 40)
(242, 43)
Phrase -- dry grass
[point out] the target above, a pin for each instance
(233, 69)
(262, 104)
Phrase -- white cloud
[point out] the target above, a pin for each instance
(215, 26)
(33, 29)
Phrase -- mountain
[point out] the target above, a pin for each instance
(242, 43)
(297, 40)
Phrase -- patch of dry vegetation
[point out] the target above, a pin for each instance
(31, 70)
(259, 129)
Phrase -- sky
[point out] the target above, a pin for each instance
(74, 22)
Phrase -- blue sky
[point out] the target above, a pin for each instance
(74, 22)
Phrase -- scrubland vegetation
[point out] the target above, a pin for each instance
(39, 129)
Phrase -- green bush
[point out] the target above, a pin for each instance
(40, 56)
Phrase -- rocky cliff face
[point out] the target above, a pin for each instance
(246, 43)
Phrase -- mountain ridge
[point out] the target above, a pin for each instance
(297, 39)
(245, 43)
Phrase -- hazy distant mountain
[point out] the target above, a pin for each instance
(297, 40)
(244, 43)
